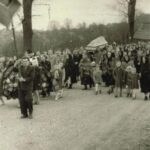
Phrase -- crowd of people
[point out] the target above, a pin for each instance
(38, 74)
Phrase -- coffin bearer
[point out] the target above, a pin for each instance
(25, 88)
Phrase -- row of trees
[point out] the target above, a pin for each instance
(127, 8)
(70, 37)
(67, 37)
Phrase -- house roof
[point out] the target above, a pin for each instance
(143, 32)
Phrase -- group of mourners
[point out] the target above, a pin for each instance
(117, 67)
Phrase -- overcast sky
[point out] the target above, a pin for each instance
(89, 11)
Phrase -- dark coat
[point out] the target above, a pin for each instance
(137, 65)
(119, 76)
(145, 78)
(28, 74)
(134, 83)
(85, 70)
(108, 78)
(70, 70)
(76, 60)
(85, 65)
(37, 78)
(25, 89)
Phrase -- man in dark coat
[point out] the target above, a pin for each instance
(25, 88)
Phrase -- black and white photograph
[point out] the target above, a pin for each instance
(74, 74)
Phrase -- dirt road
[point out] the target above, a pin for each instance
(79, 121)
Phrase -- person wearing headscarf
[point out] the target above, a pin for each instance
(70, 75)
(145, 77)
(76, 59)
(85, 72)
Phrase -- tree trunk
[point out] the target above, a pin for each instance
(131, 17)
(27, 25)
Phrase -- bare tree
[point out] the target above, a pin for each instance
(27, 24)
(122, 7)
(131, 17)
(127, 8)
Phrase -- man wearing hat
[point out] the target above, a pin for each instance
(25, 88)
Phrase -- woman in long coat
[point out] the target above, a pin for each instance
(70, 75)
(37, 80)
(145, 77)
(108, 74)
(85, 72)
(137, 63)
(76, 59)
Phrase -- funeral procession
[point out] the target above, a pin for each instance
(74, 75)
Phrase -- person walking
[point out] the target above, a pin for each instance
(119, 76)
(36, 81)
(145, 77)
(25, 88)
(97, 77)
(70, 71)
(85, 72)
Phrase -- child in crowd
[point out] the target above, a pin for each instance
(134, 83)
(58, 81)
(119, 76)
(128, 81)
(97, 77)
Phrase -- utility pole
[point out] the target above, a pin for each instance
(46, 4)
(49, 13)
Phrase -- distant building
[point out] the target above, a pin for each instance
(143, 28)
